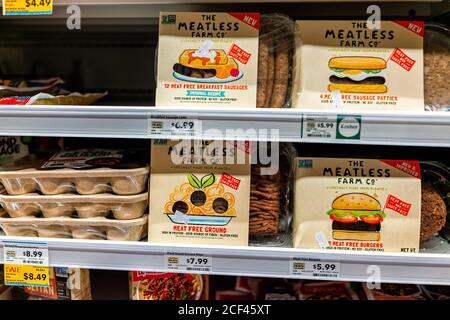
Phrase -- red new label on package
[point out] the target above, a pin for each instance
(239, 54)
(229, 181)
(399, 57)
(250, 18)
(411, 167)
(397, 205)
(414, 26)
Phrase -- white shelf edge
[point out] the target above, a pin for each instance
(393, 128)
(424, 268)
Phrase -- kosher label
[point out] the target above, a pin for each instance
(331, 127)
(315, 268)
(188, 262)
(171, 127)
(26, 264)
(27, 7)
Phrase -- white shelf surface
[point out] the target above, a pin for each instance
(424, 268)
(393, 128)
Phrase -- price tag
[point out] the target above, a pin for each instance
(25, 264)
(188, 262)
(27, 7)
(331, 127)
(317, 126)
(315, 268)
(176, 127)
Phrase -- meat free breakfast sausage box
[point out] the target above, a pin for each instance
(207, 59)
(357, 204)
(351, 66)
(200, 192)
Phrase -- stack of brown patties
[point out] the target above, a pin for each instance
(274, 61)
(265, 197)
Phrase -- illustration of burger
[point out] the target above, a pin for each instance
(356, 216)
(357, 75)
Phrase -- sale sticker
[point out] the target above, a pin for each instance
(315, 268)
(174, 127)
(27, 7)
(26, 263)
(181, 262)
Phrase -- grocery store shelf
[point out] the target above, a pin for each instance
(250, 261)
(393, 128)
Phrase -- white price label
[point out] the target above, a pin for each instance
(315, 268)
(319, 126)
(25, 253)
(188, 262)
(176, 127)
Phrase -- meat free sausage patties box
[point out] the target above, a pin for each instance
(347, 65)
(200, 192)
(357, 204)
(207, 59)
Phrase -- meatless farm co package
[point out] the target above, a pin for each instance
(357, 204)
(347, 65)
(200, 192)
(207, 59)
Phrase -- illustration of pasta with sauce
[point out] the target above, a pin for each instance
(200, 201)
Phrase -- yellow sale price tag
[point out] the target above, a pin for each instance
(27, 7)
(26, 275)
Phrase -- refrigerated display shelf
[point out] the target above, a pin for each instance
(424, 268)
(394, 128)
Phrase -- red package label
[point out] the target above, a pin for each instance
(230, 181)
(239, 54)
(399, 57)
(411, 167)
(414, 26)
(252, 19)
(142, 275)
(397, 205)
(14, 100)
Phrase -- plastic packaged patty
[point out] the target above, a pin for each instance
(28, 87)
(436, 67)
(98, 228)
(68, 205)
(82, 171)
(435, 225)
(270, 217)
(276, 46)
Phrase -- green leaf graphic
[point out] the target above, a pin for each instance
(194, 181)
(208, 180)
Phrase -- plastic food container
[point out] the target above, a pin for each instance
(69, 205)
(438, 176)
(98, 228)
(276, 46)
(27, 176)
(436, 70)
(270, 213)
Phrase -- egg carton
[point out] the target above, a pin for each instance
(70, 205)
(25, 176)
(99, 228)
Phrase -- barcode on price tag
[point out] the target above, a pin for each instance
(319, 126)
(174, 127)
(26, 264)
(188, 262)
(315, 268)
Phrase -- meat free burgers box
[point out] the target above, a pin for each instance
(207, 59)
(200, 192)
(357, 204)
(346, 65)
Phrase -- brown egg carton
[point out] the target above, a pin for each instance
(99, 228)
(25, 176)
(72, 205)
